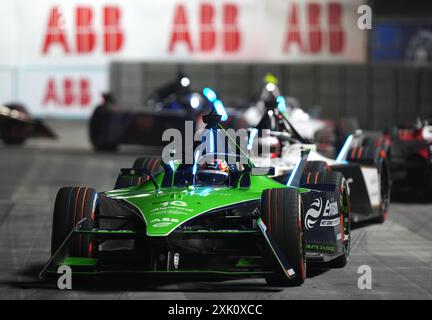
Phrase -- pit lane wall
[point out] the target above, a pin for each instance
(55, 55)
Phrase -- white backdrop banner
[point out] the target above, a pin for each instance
(62, 35)
(62, 92)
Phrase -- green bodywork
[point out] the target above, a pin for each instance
(167, 208)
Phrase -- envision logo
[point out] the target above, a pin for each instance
(313, 213)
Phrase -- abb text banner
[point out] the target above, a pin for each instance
(67, 45)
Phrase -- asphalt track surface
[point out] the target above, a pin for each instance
(399, 252)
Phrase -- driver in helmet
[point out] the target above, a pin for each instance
(214, 173)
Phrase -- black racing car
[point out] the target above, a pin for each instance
(411, 156)
(16, 125)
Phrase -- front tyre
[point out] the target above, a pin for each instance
(72, 205)
(282, 213)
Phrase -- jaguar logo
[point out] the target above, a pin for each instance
(313, 213)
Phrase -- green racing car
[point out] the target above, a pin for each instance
(215, 218)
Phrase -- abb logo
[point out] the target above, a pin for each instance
(85, 35)
(208, 37)
(67, 92)
(316, 39)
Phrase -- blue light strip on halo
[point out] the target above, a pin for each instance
(210, 94)
(253, 134)
(220, 110)
(281, 104)
(293, 173)
(344, 149)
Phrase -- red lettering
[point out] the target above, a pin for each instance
(55, 33)
(231, 33)
(75, 91)
(315, 34)
(180, 31)
(68, 97)
(84, 92)
(113, 34)
(50, 93)
(336, 33)
(293, 36)
(85, 36)
(207, 34)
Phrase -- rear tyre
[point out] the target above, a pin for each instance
(345, 225)
(318, 180)
(316, 166)
(385, 184)
(283, 216)
(99, 130)
(72, 205)
(152, 164)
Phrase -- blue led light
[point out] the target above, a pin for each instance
(205, 192)
(253, 134)
(293, 173)
(344, 149)
(210, 94)
(281, 103)
(220, 110)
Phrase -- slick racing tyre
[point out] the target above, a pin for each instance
(317, 180)
(385, 185)
(345, 224)
(314, 166)
(103, 135)
(283, 216)
(322, 181)
(152, 164)
(71, 206)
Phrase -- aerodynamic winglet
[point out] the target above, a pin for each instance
(55, 258)
(283, 262)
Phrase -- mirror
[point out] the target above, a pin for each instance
(140, 172)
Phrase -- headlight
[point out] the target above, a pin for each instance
(427, 133)
(195, 101)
